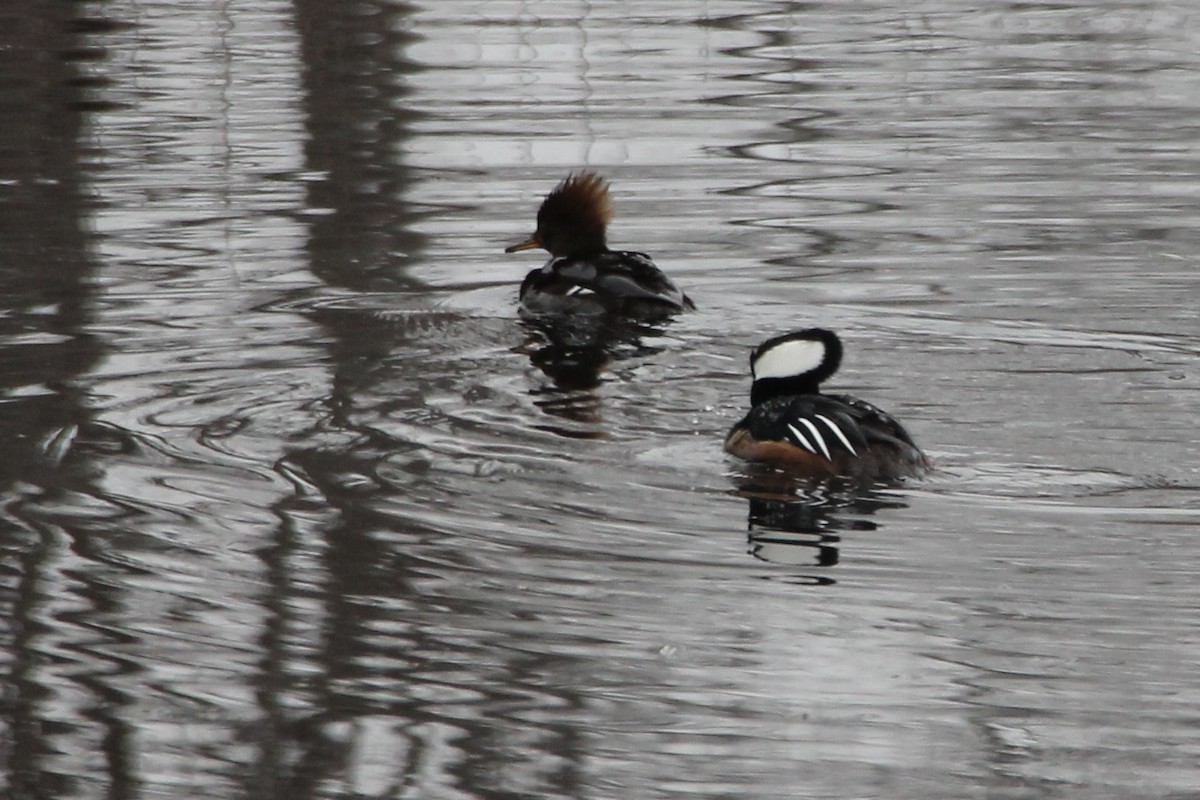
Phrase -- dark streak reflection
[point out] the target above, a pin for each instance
(47, 433)
(352, 59)
(338, 552)
(800, 523)
(573, 353)
(362, 240)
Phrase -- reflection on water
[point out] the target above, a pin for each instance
(296, 505)
(799, 523)
(573, 352)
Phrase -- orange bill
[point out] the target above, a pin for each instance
(529, 244)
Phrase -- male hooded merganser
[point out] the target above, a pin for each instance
(792, 424)
(582, 273)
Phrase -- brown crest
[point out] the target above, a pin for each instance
(583, 195)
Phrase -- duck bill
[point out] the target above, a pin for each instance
(531, 243)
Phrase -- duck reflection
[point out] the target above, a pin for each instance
(573, 351)
(799, 522)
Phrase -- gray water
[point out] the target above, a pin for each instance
(295, 506)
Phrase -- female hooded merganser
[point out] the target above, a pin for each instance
(582, 273)
(793, 425)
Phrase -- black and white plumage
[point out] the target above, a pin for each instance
(612, 281)
(792, 424)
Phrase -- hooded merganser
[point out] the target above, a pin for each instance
(793, 425)
(582, 273)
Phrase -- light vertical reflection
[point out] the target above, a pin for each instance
(196, 186)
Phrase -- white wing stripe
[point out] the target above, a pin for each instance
(837, 432)
(803, 441)
(816, 434)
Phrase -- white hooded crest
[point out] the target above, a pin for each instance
(789, 359)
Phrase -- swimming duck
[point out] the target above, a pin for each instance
(793, 425)
(583, 274)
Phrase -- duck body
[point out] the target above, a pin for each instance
(827, 436)
(792, 424)
(611, 281)
(583, 274)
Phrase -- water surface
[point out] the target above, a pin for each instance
(295, 505)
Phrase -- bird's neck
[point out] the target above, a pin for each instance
(765, 389)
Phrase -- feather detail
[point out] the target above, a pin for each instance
(584, 194)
